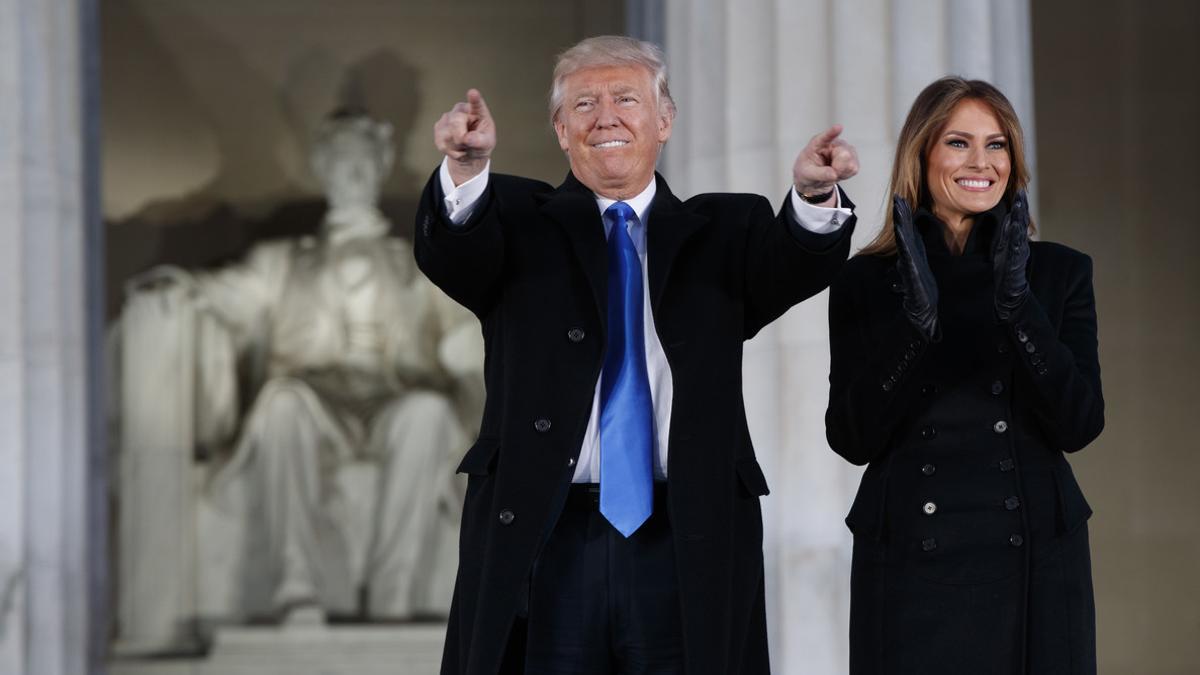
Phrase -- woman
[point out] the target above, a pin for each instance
(963, 367)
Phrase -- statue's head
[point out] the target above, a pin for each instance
(352, 155)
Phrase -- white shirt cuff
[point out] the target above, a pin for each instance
(818, 219)
(460, 201)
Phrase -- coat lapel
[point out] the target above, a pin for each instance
(669, 226)
(573, 207)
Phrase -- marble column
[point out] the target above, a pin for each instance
(754, 80)
(51, 455)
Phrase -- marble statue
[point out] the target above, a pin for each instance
(365, 384)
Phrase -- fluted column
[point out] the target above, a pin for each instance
(50, 457)
(754, 80)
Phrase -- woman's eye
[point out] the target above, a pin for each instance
(956, 143)
(997, 145)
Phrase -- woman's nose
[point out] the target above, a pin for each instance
(977, 157)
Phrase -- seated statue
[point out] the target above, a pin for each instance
(352, 358)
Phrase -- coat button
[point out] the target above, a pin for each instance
(1041, 370)
(1021, 336)
(575, 335)
(888, 384)
(930, 508)
(1006, 465)
(1000, 427)
(929, 432)
(997, 387)
(1016, 540)
(928, 469)
(571, 461)
(1030, 347)
(542, 425)
(896, 287)
(1001, 348)
(507, 517)
(1012, 503)
(928, 545)
(928, 390)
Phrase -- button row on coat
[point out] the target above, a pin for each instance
(929, 545)
(910, 353)
(1006, 465)
(1035, 359)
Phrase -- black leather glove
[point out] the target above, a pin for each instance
(916, 279)
(1010, 255)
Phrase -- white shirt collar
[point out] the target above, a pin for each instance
(640, 204)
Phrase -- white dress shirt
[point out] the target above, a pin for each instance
(460, 202)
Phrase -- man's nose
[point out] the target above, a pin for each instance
(606, 114)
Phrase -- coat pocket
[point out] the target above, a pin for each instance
(480, 459)
(752, 478)
(1073, 509)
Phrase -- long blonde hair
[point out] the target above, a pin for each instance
(924, 124)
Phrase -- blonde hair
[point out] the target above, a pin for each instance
(611, 50)
(925, 122)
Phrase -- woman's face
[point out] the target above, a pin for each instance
(969, 164)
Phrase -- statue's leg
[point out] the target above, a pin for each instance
(294, 439)
(418, 438)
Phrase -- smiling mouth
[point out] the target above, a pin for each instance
(610, 144)
(974, 183)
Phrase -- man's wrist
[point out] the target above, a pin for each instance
(463, 170)
(818, 195)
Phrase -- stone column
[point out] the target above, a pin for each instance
(754, 80)
(51, 451)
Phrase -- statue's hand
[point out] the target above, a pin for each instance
(466, 135)
(157, 278)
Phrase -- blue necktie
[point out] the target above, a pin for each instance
(626, 411)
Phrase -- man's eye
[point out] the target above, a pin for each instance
(627, 99)
(583, 106)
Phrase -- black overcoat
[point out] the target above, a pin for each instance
(970, 536)
(531, 264)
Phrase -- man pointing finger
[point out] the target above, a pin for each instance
(612, 520)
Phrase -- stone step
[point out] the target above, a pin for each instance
(307, 650)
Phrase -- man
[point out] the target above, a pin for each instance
(612, 520)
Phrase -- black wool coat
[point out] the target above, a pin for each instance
(970, 536)
(531, 264)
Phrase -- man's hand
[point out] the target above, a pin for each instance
(466, 135)
(826, 160)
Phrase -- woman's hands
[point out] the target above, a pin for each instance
(916, 279)
(1010, 255)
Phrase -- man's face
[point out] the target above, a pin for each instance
(611, 128)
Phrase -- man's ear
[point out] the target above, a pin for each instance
(560, 130)
(666, 122)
